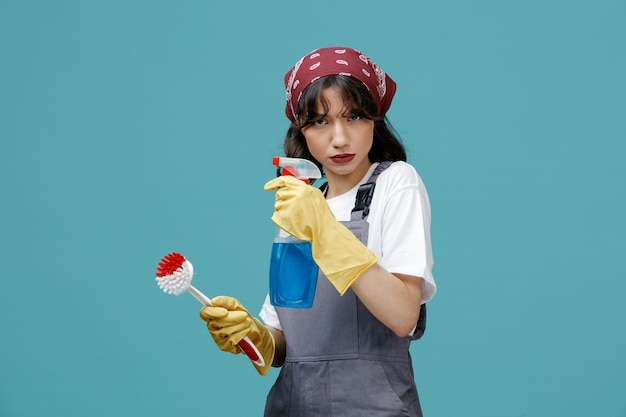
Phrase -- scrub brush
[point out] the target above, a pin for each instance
(174, 275)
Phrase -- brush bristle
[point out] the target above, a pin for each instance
(174, 274)
(170, 263)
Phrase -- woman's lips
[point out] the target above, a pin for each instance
(342, 158)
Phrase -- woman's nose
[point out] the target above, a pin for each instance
(340, 135)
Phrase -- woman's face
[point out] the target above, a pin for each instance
(340, 140)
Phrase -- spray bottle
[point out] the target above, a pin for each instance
(293, 272)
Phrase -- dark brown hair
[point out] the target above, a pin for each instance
(386, 146)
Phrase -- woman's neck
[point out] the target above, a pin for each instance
(341, 184)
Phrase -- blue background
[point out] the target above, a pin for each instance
(130, 129)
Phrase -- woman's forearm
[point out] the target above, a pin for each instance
(280, 346)
(394, 299)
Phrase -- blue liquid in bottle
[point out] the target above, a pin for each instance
(293, 272)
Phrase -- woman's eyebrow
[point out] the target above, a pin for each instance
(351, 112)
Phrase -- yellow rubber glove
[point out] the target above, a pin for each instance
(301, 210)
(229, 322)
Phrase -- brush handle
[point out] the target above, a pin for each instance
(199, 296)
(246, 344)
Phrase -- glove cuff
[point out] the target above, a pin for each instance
(344, 279)
(341, 256)
(264, 341)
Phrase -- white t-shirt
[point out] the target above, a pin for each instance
(399, 227)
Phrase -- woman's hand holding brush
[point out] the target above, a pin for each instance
(232, 327)
(229, 323)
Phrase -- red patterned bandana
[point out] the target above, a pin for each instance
(337, 61)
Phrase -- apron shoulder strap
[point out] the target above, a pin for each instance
(365, 193)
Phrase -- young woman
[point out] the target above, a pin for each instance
(348, 355)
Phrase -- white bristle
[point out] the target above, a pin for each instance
(179, 281)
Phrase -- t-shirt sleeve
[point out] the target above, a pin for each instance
(405, 246)
(268, 314)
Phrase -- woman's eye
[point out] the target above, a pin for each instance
(355, 118)
(319, 122)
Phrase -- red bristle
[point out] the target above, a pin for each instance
(169, 264)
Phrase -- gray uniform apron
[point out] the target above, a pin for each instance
(342, 361)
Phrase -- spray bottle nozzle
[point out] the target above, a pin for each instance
(300, 168)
